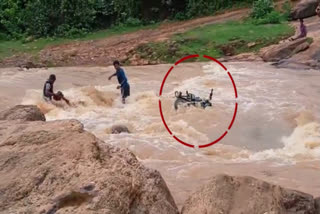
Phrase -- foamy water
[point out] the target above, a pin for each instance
(263, 129)
(277, 121)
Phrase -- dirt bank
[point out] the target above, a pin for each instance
(104, 51)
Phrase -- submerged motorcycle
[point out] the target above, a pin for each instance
(191, 100)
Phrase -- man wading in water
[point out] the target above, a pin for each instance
(48, 93)
(123, 81)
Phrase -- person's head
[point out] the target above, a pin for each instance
(116, 64)
(301, 21)
(52, 78)
(60, 94)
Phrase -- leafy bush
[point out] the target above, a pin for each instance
(3, 37)
(208, 7)
(261, 8)
(180, 16)
(132, 22)
(273, 17)
(10, 18)
(46, 18)
(263, 12)
(286, 8)
(68, 18)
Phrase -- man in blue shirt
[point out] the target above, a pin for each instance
(123, 81)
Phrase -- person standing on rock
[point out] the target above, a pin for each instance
(303, 31)
(123, 81)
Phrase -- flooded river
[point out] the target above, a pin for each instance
(275, 137)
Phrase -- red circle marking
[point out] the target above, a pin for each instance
(235, 109)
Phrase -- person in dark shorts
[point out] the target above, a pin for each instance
(123, 81)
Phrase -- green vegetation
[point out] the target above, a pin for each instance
(216, 40)
(71, 18)
(261, 8)
(263, 12)
(196, 8)
(310, 40)
(286, 9)
(11, 47)
(28, 26)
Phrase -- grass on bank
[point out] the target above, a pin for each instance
(216, 40)
(12, 47)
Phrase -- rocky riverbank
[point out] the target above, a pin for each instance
(58, 167)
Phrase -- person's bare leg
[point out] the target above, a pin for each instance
(123, 100)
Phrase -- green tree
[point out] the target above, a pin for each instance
(261, 8)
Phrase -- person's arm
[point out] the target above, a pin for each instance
(115, 74)
(66, 100)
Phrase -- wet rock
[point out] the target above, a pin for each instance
(29, 64)
(302, 47)
(305, 9)
(284, 50)
(292, 64)
(24, 113)
(58, 167)
(317, 201)
(316, 56)
(235, 195)
(117, 129)
(242, 57)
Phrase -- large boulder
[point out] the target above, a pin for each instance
(317, 201)
(57, 167)
(284, 50)
(236, 195)
(118, 129)
(304, 9)
(24, 113)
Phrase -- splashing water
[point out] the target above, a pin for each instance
(277, 125)
(99, 107)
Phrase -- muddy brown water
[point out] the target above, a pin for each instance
(275, 137)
